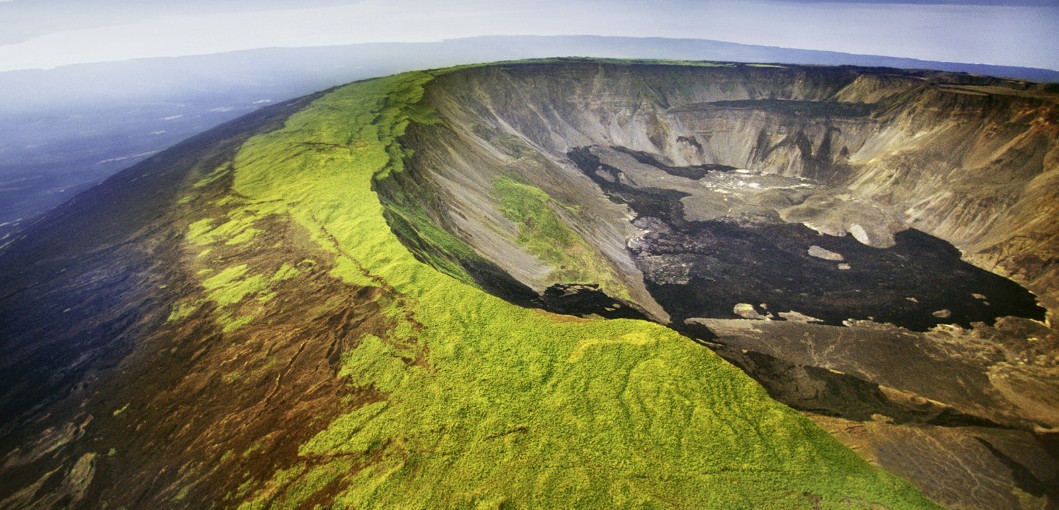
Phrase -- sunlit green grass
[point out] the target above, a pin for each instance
(511, 407)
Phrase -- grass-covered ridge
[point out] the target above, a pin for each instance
(490, 405)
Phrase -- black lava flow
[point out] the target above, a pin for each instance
(728, 261)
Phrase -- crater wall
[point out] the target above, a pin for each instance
(637, 185)
(970, 160)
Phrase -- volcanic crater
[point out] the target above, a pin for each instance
(288, 310)
(862, 242)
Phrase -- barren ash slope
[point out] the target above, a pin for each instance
(556, 283)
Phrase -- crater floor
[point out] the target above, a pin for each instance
(748, 255)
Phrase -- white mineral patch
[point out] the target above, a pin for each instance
(823, 253)
(859, 234)
(746, 311)
(810, 226)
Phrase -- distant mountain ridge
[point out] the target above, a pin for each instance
(335, 65)
(64, 129)
(708, 49)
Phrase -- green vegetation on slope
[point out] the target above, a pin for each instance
(545, 235)
(540, 229)
(486, 404)
(228, 284)
(407, 217)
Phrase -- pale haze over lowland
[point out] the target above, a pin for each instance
(38, 34)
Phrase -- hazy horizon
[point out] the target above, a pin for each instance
(41, 34)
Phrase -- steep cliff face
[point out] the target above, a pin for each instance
(832, 231)
(970, 160)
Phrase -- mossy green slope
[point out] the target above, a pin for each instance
(545, 235)
(491, 405)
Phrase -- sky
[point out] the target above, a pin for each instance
(42, 34)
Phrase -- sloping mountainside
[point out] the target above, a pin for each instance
(555, 284)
